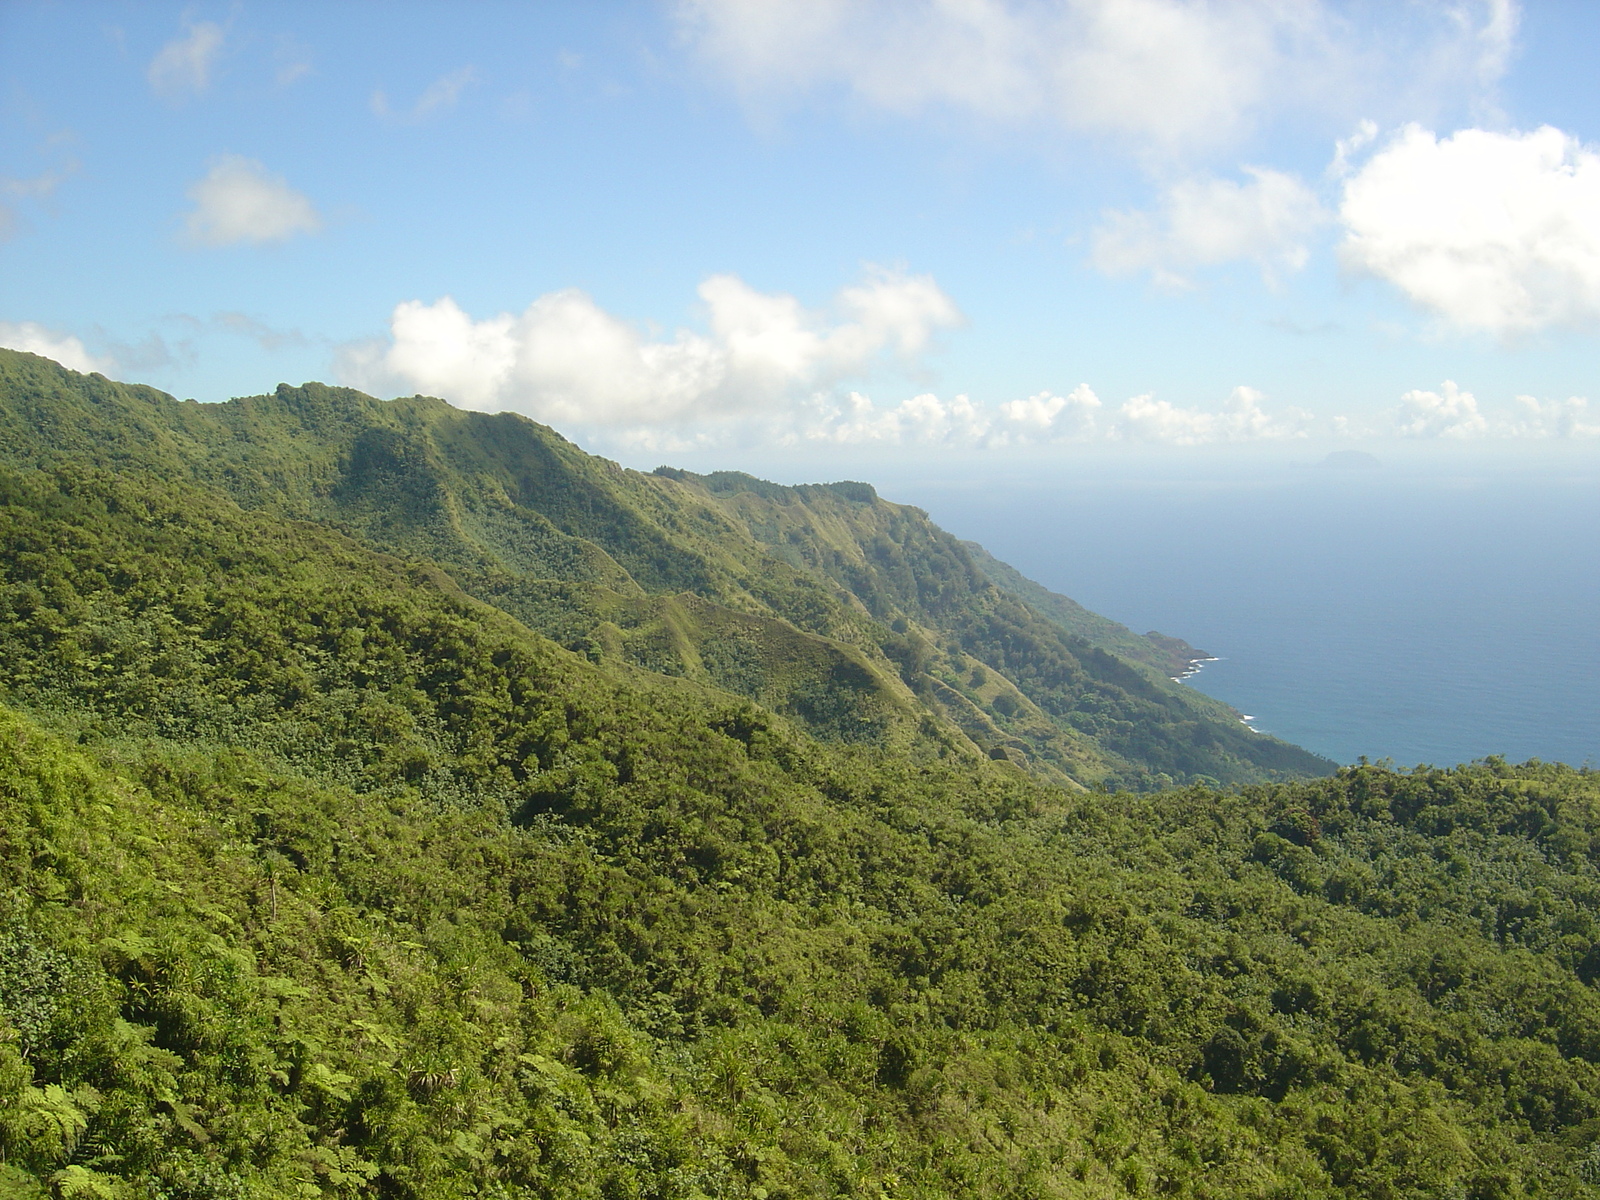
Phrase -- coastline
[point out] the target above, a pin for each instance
(1194, 668)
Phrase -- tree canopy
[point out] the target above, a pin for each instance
(324, 872)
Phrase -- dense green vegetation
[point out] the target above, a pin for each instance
(323, 873)
(1172, 656)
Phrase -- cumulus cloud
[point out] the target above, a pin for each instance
(183, 66)
(1242, 418)
(1569, 418)
(1207, 222)
(1448, 413)
(926, 420)
(765, 369)
(239, 200)
(66, 349)
(1451, 413)
(439, 95)
(1046, 418)
(923, 420)
(1493, 232)
(565, 359)
(1082, 418)
(1164, 73)
(1049, 416)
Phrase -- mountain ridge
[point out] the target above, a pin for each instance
(323, 876)
(521, 517)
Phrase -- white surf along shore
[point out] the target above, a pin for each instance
(1194, 668)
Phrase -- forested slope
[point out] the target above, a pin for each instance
(813, 600)
(321, 876)
(1171, 656)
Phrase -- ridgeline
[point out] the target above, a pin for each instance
(397, 801)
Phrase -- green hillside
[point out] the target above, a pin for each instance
(325, 872)
(814, 601)
(1171, 656)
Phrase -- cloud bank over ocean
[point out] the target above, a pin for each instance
(564, 359)
(770, 371)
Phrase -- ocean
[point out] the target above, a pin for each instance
(1425, 607)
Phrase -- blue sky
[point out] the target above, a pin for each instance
(801, 230)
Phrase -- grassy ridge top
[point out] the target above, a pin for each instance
(824, 599)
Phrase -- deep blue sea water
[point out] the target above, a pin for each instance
(1427, 611)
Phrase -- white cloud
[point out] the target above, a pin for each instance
(1496, 38)
(923, 420)
(1567, 418)
(1493, 232)
(39, 188)
(1160, 73)
(239, 200)
(1344, 149)
(294, 62)
(567, 360)
(1087, 64)
(441, 94)
(1048, 418)
(66, 349)
(1207, 222)
(266, 336)
(1145, 419)
(1447, 413)
(1451, 414)
(1081, 418)
(764, 369)
(444, 91)
(183, 66)
(1046, 415)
